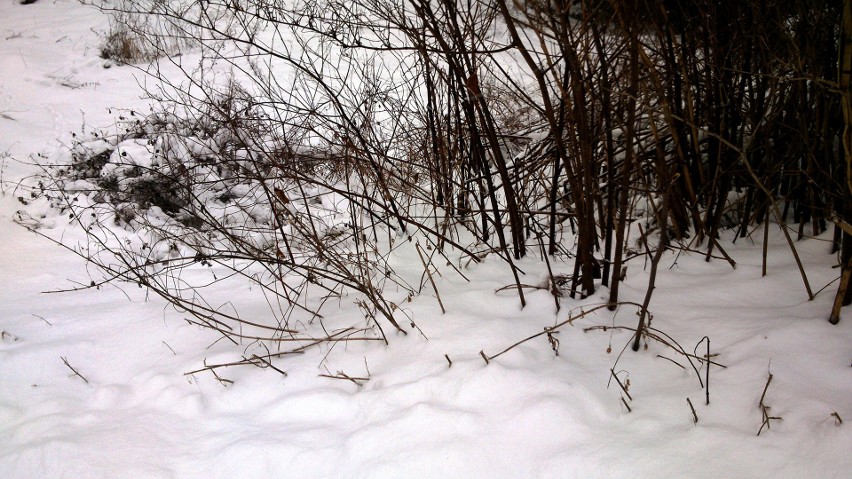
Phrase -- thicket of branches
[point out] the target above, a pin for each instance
(317, 134)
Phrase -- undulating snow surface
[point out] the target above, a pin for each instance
(529, 413)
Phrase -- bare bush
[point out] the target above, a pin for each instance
(313, 137)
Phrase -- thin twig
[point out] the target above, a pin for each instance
(431, 281)
(551, 329)
(170, 348)
(837, 420)
(76, 373)
(342, 375)
(620, 385)
(223, 381)
(763, 396)
(660, 340)
(694, 415)
(673, 361)
(707, 371)
(243, 362)
(333, 338)
(707, 374)
(764, 409)
(268, 364)
(722, 250)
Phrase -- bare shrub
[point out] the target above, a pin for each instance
(314, 137)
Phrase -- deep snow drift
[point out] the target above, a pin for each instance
(130, 410)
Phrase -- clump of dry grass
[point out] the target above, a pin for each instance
(137, 35)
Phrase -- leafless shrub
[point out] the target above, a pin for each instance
(315, 136)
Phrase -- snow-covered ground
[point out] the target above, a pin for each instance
(131, 412)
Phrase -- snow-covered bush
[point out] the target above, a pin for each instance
(186, 199)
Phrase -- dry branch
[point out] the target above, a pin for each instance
(429, 274)
(344, 376)
(764, 409)
(76, 373)
(615, 376)
(837, 420)
(550, 329)
(692, 408)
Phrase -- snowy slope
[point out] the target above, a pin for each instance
(133, 413)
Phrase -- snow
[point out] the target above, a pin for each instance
(528, 413)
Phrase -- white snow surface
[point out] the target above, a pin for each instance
(529, 413)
